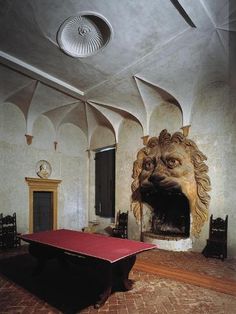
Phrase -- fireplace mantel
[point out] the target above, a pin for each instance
(42, 185)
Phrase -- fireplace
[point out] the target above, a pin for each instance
(170, 177)
(170, 215)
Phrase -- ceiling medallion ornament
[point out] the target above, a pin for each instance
(84, 35)
(43, 169)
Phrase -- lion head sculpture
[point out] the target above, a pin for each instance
(170, 176)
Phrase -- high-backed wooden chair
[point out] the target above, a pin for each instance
(1, 244)
(121, 228)
(217, 243)
(8, 232)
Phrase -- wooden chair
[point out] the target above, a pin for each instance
(8, 232)
(217, 243)
(1, 244)
(121, 228)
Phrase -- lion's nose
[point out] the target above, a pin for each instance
(160, 169)
(155, 179)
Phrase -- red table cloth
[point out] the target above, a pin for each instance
(89, 244)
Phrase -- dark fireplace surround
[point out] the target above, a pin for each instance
(170, 178)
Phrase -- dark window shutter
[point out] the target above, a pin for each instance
(105, 183)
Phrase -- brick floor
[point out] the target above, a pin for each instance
(151, 293)
(192, 261)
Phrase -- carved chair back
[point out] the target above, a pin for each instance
(218, 229)
(121, 228)
(8, 231)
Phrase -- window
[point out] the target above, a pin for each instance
(105, 183)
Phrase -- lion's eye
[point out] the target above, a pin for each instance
(148, 164)
(172, 163)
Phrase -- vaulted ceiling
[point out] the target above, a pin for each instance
(153, 51)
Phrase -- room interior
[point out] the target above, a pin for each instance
(87, 77)
(62, 106)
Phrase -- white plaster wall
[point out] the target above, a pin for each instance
(18, 160)
(13, 188)
(165, 116)
(91, 198)
(102, 137)
(12, 127)
(213, 129)
(72, 146)
(44, 134)
(130, 142)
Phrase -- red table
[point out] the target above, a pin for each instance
(112, 256)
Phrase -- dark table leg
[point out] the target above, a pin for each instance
(42, 253)
(121, 270)
(103, 275)
(103, 297)
(114, 276)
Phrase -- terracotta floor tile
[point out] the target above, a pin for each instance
(151, 293)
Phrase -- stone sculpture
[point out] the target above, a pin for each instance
(170, 173)
(43, 171)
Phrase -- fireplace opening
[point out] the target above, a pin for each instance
(171, 212)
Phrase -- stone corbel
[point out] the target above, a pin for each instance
(145, 139)
(89, 153)
(185, 130)
(29, 138)
(55, 145)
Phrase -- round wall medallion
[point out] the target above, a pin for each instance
(43, 169)
(84, 35)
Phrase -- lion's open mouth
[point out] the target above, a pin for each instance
(171, 213)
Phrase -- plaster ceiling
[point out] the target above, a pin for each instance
(160, 50)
